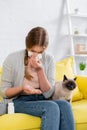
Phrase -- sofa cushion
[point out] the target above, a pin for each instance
(19, 122)
(0, 72)
(76, 94)
(0, 69)
(0, 79)
(64, 67)
(80, 111)
(82, 84)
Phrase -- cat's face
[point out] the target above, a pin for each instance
(70, 84)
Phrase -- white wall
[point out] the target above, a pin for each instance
(17, 17)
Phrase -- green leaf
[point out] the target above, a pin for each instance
(82, 66)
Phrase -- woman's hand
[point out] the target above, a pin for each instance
(30, 90)
(37, 64)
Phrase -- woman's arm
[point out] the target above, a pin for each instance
(46, 79)
(12, 92)
(43, 81)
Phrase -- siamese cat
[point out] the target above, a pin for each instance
(63, 89)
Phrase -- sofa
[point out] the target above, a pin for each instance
(20, 121)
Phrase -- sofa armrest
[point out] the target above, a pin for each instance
(82, 85)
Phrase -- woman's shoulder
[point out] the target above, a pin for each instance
(16, 53)
(12, 57)
(48, 57)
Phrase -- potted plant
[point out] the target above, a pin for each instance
(82, 66)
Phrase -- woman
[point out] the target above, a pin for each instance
(28, 79)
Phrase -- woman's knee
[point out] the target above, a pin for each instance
(63, 103)
(51, 109)
(51, 105)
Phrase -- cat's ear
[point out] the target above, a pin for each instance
(75, 78)
(65, 78)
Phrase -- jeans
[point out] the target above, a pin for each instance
(56, 115)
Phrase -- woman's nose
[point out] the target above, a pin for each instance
(35, 54)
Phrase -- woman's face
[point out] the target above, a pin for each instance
(36, 51)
